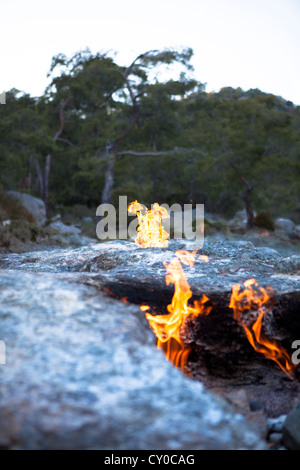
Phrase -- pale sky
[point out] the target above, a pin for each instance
(246, 43)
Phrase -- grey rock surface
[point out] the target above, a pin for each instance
(139, 273)
(82, 369)
(229, 262)
(82, 372)
(297, 230)
(288, 265)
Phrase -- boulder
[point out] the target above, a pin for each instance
(68, 235)
(284, 224)
(221, 354)
(297, 230)
(239, 222)
(291, 429)
(34, 207)
(82, 372)
(64, 229)
(241, 215)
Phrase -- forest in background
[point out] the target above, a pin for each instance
(101, 130)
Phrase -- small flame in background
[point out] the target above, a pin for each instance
(249, 306)
(150, 230)
(169, 328)
(144, 308)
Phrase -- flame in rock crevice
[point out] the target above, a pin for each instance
(170, 328)
(151, 233)
(249, 307)
(144, 308)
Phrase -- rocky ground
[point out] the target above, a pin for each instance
(82, 369)
(79, 369)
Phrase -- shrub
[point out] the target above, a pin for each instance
(264, 220)
(10, 208)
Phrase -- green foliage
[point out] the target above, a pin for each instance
(20, 230)
(212, 140)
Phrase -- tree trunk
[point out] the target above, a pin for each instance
(109, 181)
(39, 176)
(248, 206)
(46, 182)
(247, 197)
(154, 184)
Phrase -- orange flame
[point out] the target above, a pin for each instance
(150, 230)
(257, 301)
(186, 257)
(169, 328)
(144, 308)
